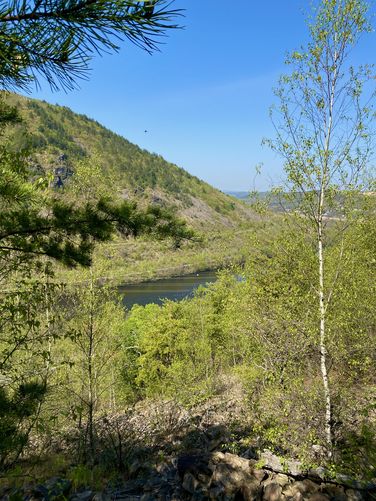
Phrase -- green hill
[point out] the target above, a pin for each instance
(61, 140)
(59, 137)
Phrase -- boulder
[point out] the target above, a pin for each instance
(103, 496)
(335, 492)
(198, 496)
(273, 462)
(353, 495)
(282, 479)
(233, 476)
(57, 487)
(318, 496)
(196, 464)
(319, 473)
(190, 483)
(216, 492)
(297, 497)
(217, 436)
(273, 492)
(259, 475)
(86, 495)
(145, 497)
(304, 487)
(250, 453)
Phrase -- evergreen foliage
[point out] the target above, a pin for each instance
(15, 411)
(69, 355)
(58, 39)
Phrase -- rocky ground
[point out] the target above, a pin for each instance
(175, 455)
(214, 476)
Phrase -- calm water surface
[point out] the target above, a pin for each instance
(176, 288)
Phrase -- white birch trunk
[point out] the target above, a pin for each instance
(323, 350)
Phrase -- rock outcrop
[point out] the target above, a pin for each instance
(213, 476)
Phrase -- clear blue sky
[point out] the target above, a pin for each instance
(204, 98)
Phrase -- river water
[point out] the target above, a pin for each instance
(175, 288)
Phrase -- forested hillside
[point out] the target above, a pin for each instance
(59, 138)
(260, 385)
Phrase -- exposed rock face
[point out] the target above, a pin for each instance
(213, 476)
(273, 462)
(233, 477)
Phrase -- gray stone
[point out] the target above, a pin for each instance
(260, 475)
(319, 473)
(190, 483)
(103, 496)
(128, 497)
(294, 467)
(198, 496)
(216, 458)
(273, 462)
(353, 495)
(297, 497)
(217, 435)
(250, 453)
(335, 492)
(304, 487)
(231, 478)
(233, 475)
(345, 479)
(40, 492)
(216, 492)
(318, 496)
(148, 497)
(282, 479)
(273, 492)
(252, 491)
(57, 487)
(355, 484)
(135, 467)
(154, 482)
(132, 486)
(82, 496)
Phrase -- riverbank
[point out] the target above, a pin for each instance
(134, 261)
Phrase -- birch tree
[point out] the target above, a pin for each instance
(323, 131)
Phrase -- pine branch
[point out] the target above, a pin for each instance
(57, 39)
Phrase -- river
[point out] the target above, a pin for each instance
(175, 288)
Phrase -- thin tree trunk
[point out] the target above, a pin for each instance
(323, 350)
(90, 374)
(332, 81)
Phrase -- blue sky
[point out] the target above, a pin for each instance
(204, 99)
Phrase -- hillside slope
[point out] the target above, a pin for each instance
(55, 131)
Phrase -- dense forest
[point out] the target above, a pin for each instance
(259, 386)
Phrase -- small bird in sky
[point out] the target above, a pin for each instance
(145, 131)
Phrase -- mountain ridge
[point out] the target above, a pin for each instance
(53, 131)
